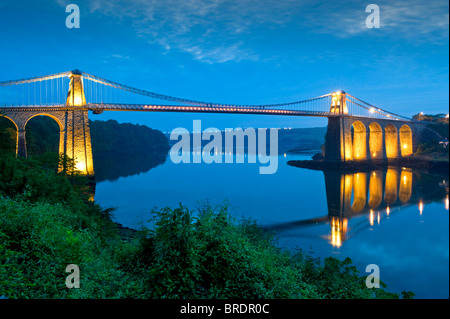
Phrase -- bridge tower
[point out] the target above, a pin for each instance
(335, 138)
(338, 103)
(75, 96)
(77, 136)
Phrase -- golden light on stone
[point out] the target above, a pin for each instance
(391, 141)
(76, 96)
(405, 135)
(338, 103)
(375, 139)
(337, 231)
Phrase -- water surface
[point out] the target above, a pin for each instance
(395, 218)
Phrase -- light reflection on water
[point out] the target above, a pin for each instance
(395, 218)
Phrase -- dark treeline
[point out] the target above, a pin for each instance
(111, 136)
(430, 144)
(289, 139)
(131, 163)
(106, 136)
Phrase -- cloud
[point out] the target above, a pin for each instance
(212, 31)
(218, 31)
(416, 20)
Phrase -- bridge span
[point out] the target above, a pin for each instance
(357, 130)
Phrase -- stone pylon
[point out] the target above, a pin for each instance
(77, 141)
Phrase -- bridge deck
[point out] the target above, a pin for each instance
(100, 107)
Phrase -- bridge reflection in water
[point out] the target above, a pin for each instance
(359, 200)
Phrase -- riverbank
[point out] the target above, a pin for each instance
(440, 165)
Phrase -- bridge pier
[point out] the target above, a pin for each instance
(21, 144)
(77, 140)
(352, 138)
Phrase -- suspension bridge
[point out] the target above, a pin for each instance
(357, 130)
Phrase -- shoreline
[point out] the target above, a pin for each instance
(430, 165)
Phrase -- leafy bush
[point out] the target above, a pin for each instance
(213, 256)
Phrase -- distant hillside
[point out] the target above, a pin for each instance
(433, 143)
(289, 140)
(300, 139)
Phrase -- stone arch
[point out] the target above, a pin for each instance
(391, 186)
(405, 188)
(406, 144)
(10, 119)
(391, 141)
(58, 122)
(359, 192)
(375, 189)
(359, 141)
(375, 141)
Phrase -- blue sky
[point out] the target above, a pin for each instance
(238, 51)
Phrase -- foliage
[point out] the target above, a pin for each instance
(42, 136)
(47, 222)
(110, 136)
(7, 136)
(434, 150)
(213, 256)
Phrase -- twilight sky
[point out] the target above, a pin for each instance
(238, 51)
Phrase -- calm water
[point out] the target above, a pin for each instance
(396, 218)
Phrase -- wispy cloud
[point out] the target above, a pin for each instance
(212, 31)
(218, 31)
(411, 20)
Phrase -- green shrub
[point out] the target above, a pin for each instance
(211, 255)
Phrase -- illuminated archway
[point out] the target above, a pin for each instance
(406, 140)
(375, 189)
(391, 141)
(375, 141)
(359, 141)
(359, 192)
(405, 188)
(391, 186)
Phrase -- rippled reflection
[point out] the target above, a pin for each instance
(376, 194)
